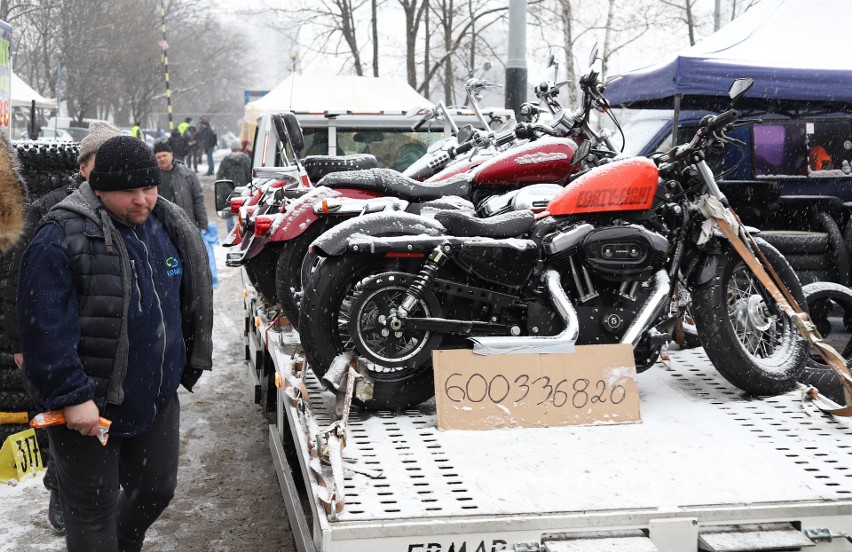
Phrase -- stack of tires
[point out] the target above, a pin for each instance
(821, 259)
(45, 166)
(817, 256)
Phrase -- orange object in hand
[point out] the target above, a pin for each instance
(57, 417)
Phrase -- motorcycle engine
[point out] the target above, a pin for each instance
(614, 253)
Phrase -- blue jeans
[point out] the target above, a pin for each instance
(209, 152)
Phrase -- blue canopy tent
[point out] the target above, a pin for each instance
(797, 52)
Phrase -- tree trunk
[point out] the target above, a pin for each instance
(607, 45)
(567, 16)
(689, 22)
(375, 25)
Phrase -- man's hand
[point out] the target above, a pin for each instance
(19, 359)
(83, 418)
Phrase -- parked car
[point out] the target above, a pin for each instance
(59, 134)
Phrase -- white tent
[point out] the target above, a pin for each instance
(23, 95)
(337, 95)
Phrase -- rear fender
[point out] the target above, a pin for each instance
(299, 214)
(409, 229)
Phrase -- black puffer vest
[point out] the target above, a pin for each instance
(100, 295)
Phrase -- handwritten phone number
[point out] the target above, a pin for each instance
(579, 393)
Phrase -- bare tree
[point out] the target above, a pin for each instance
(455, 23)
(414, 11)
(685, 12)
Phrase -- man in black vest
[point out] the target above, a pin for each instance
(115, 311)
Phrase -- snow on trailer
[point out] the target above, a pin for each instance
(707, 468)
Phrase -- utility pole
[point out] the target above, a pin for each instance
(516, 64)
(165, 46)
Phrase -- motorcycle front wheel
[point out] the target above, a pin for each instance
(325, 312)
(750, 341)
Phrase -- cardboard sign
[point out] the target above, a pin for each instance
(594, 384)
(20, 456)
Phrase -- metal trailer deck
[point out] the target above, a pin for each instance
(706, 469)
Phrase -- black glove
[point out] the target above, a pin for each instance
(190, 377)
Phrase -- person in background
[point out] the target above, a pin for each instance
(194, 153)
(99, 132)
(179, 185)
(184, 125)
(179, 145)
(136, 130)
(236, 167)
(118, 349)
(205, 139)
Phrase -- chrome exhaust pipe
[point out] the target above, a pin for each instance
(562, 343)
(650, 310)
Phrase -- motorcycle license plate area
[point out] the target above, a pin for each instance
(596, 384)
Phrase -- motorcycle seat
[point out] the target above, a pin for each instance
(393, 183)
(465, 225)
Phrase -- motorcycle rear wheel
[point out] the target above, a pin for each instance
(324, 317)
(749, 340)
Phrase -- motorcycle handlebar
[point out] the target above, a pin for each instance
(722, 119)
(462, 148)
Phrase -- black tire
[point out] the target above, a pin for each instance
(811, 276)
(327, 298)
(824, 299)
(16, 400)
(814, 262)
(837, 254)
(779, 351)
(10, 379)
(288, 268)
(261, 272)
(10, 429)
(797, 242)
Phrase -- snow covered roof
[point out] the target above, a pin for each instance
(23, 95)
(338, 95)
(795, 50)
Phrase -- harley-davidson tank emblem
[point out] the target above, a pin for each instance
(540, 157)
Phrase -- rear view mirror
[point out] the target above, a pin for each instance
(739, 87)
(464, 134)
(223, 190)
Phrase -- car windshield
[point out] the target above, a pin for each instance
(638, 133)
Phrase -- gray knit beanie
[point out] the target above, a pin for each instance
(99, 132)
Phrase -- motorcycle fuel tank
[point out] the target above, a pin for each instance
(544, 160)
(626, 185)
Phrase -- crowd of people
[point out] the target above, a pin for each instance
(114, 314)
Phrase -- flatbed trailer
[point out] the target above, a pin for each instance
(706, 469)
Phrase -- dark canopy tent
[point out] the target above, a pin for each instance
(797, 52)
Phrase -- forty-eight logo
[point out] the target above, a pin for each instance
(173, 263)
(540, 157)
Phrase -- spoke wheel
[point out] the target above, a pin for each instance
(749, 340)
